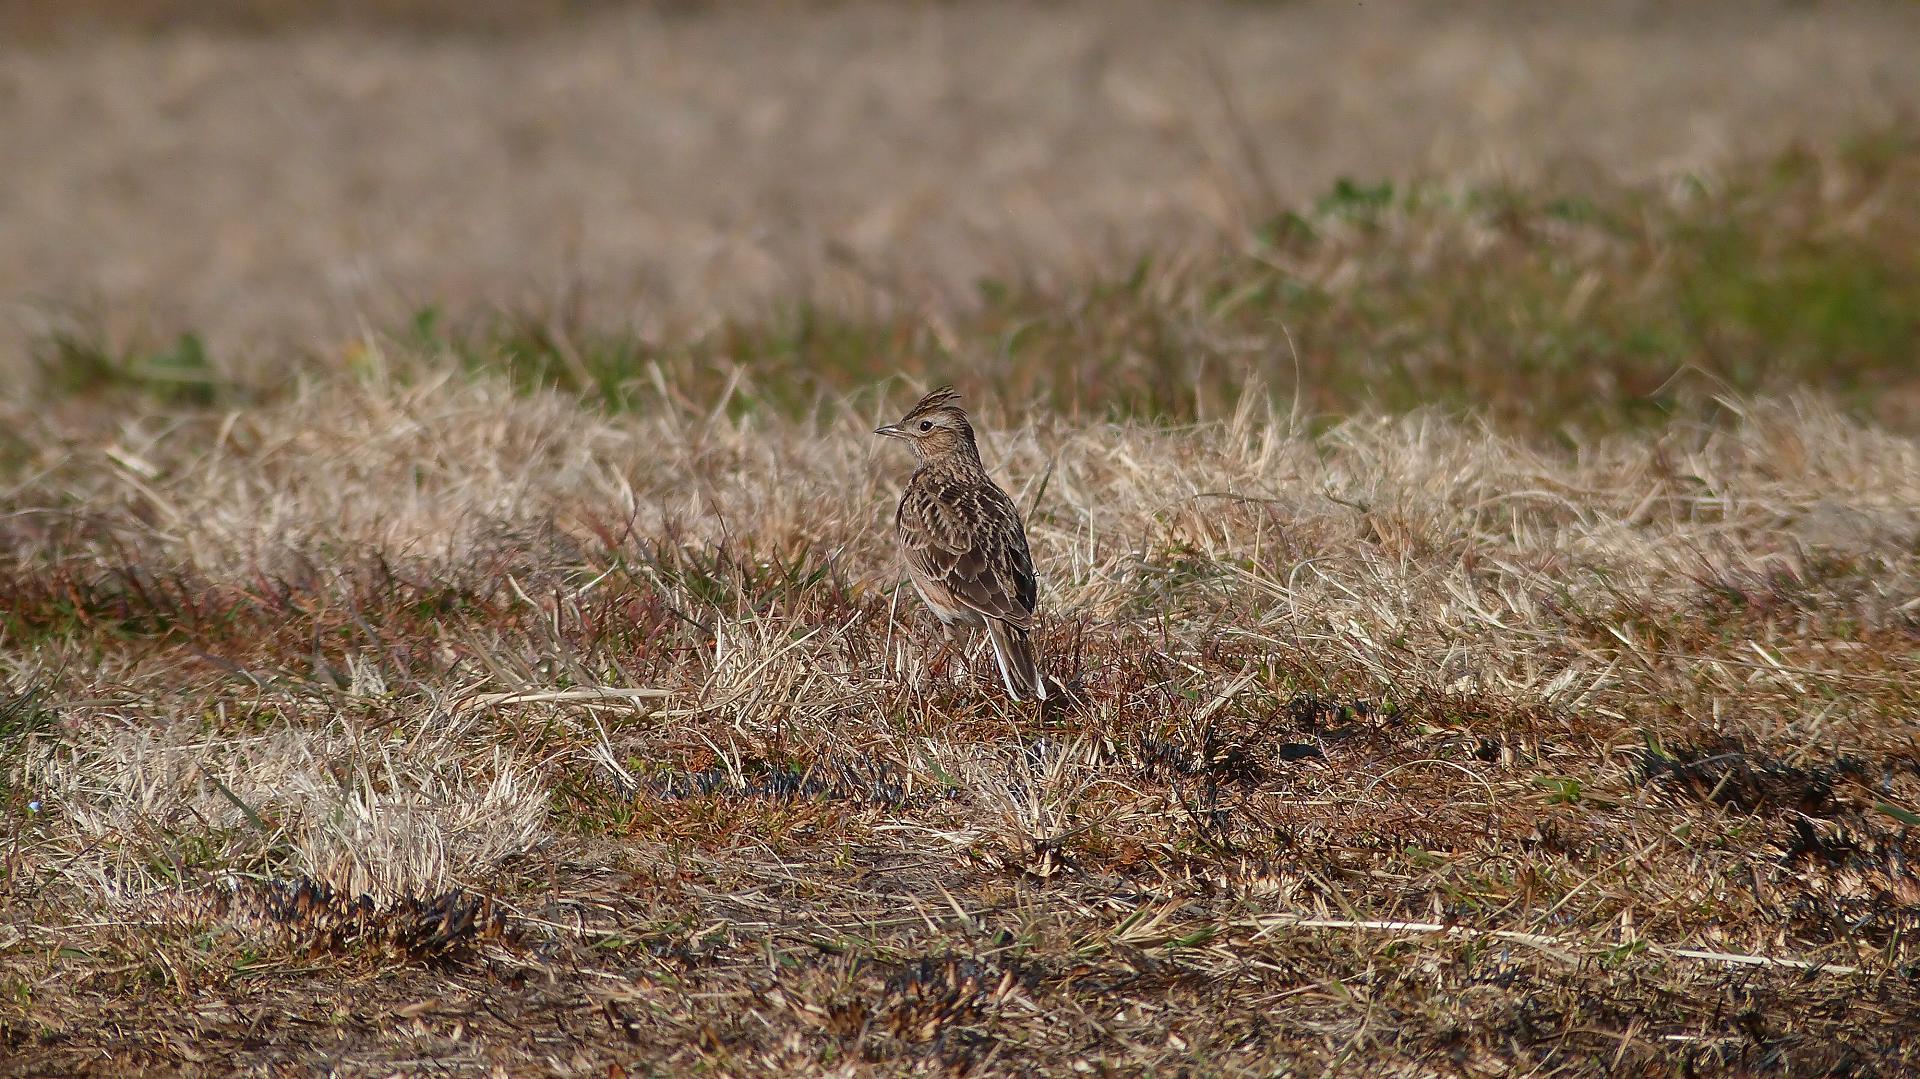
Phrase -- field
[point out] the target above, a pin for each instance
(1487, 572)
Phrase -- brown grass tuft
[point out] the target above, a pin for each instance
(1561, 755)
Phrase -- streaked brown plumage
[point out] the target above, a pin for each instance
(965, 547)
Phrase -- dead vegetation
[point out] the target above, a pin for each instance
(1491, 603)
(1403, 746)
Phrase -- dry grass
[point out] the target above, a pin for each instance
(1403, 746)
(1492, 601)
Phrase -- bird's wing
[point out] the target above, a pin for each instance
(968, 537)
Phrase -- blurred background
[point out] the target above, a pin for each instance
(216, 189)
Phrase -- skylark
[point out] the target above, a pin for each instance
(966, 548)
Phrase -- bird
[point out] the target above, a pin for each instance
(965, 546)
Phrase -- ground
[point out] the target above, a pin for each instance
(1490, 596)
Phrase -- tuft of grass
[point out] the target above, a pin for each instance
(1523, 742)
(76, 364)
(24, 714)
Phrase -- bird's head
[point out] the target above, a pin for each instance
(936, 428)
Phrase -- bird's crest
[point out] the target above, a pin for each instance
(942, 398)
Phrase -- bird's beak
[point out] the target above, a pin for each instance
(891, 430)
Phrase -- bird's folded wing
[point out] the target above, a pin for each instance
(976, 548)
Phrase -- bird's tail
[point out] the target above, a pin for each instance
(1019, 661)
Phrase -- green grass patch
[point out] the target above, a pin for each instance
(75, 363)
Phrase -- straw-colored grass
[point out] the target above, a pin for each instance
(448, 620)
(1400, 745)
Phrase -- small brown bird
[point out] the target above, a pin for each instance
(966, 549)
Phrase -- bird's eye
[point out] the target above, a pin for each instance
(926, 425)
